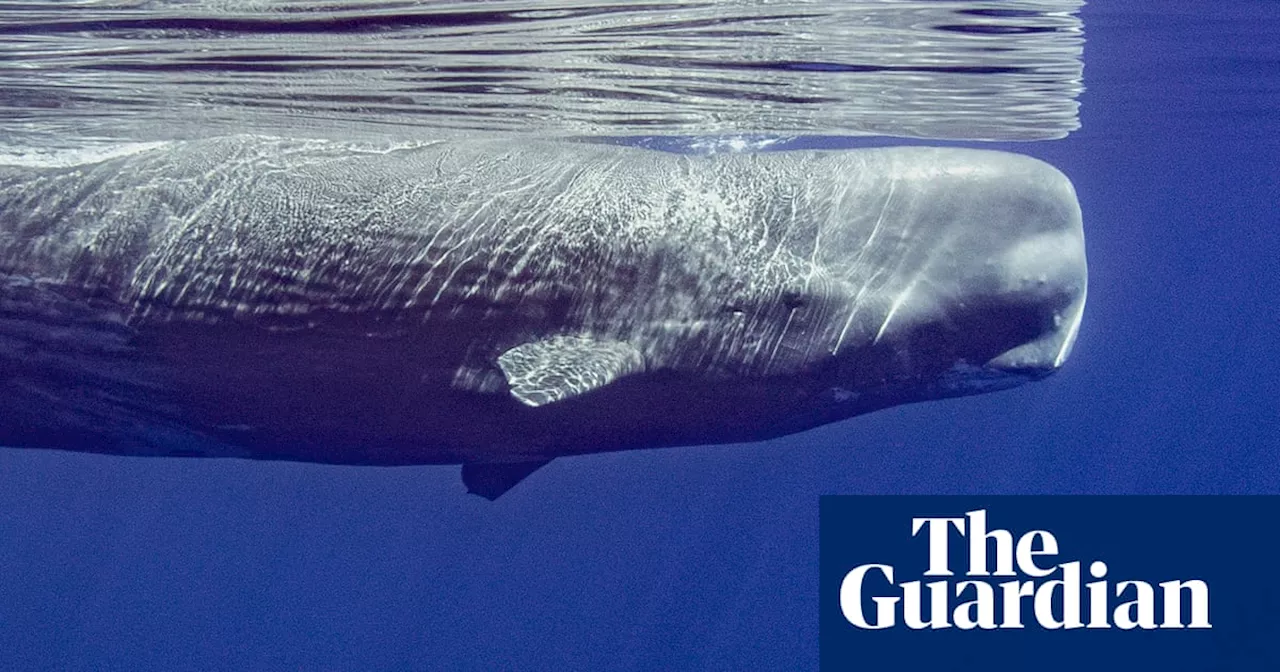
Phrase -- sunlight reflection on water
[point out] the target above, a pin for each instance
(157, 70)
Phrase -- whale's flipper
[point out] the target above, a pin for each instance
(560, 367)
(491, 479)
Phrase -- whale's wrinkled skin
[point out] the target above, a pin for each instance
(499, 303)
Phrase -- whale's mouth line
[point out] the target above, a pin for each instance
(1073, 330)
(1041, 356)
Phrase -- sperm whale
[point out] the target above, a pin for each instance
(500, 303)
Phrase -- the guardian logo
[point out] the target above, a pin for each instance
(1012, 583)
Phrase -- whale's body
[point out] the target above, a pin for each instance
(500, 303)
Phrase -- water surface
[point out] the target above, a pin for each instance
(148, 70)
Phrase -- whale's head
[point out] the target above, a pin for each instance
(926, 273)
(965, 274)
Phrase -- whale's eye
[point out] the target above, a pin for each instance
(793, 300)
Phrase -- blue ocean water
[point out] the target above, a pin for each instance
(707, 558)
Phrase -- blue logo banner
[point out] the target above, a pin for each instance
(1050, 583)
